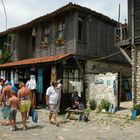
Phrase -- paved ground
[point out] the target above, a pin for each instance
(100, 127)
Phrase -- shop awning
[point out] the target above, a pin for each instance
(39, 60)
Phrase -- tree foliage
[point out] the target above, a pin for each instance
(5, 50)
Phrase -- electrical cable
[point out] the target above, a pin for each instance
(104, 57)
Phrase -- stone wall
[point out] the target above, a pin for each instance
(92, 68)
(105, 86)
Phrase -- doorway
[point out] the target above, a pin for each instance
(46, 82)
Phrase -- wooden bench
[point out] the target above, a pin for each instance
(75, 111)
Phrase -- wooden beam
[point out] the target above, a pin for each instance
(125, 55)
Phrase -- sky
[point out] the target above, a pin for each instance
(23, 11)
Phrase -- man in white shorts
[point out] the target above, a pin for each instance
(51, 102)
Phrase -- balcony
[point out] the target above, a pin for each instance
(121, 36)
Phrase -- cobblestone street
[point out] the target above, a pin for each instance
(100, 127)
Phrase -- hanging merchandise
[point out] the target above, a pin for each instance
(4, 75)
(32, 84)
(12, 78)
(16, 77)
(1, 74)
(40, 81)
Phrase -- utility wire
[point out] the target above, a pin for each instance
(104, 57)
(5, 14)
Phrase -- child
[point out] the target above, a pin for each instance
(14, 105)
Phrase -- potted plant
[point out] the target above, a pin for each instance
(44, 44)
(59, 41)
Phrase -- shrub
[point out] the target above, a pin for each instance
(104, 105)
(92, 104)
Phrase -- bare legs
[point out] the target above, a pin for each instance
(12, 124)
(24, 117)
(54, 116)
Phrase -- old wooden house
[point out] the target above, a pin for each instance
(72, 43)
(129, 40)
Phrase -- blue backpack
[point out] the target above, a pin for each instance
(34, 115)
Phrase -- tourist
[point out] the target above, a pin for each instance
(51, 102)
(13, 105)
(25, 97)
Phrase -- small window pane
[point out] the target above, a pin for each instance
(76, 74)
(65, 73)
(47, 31)
(65, 85)
(71, 74)
(71, 86)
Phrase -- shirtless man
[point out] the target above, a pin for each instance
(25, 97)
(14, 105)
(6, 95)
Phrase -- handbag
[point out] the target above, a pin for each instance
(34, 114)
(5, 111)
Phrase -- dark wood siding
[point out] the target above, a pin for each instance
(99, 40)
(23, 44)
(136, 17)
(52, 48)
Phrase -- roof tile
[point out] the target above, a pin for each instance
(36, 60)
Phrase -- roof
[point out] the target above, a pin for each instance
(39, 60)
(56, 12)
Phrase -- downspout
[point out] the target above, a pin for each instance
(135, 52)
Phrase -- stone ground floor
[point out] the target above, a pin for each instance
(101, 126)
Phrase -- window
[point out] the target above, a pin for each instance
(80, 28)
(47, 37)
(33, 38)
(61, 29)
(73, 80)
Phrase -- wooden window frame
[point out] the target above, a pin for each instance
(81, 34)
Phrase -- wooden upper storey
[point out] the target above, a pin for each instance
(70, 29)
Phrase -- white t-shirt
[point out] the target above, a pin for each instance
(53, 96)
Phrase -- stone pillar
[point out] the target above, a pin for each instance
(136, 83)
(138, 75)
(137, 69)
